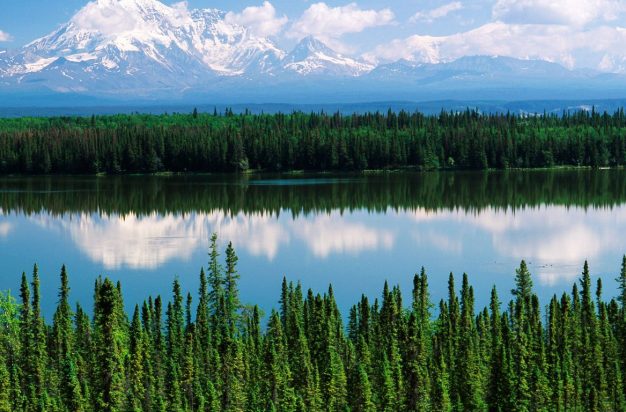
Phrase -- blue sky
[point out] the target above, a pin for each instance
(575, 33)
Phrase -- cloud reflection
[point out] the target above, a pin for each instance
(326, 234)
(553, 239)
(147, 242)
(5, 228)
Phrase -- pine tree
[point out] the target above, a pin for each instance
(497, 390)
(594, 384)
(276, 364)
(109, 392)
(83, 352)
(38, 346)
(71, 392)
(231, 290)
(135, 364)
(470, 379)
(554, 356)
(440, 394)
(63, 349)
(203, 336)
(362, 396)
(26, 346)
(215, 279)
(361, 399)
(418, 348)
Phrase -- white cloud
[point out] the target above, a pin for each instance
(180, 15)
(325, 22)
(106, 18)
(261, 21)
(564, 12)
(599, 47)
(438, 13)
(4, 36)
(123, 22)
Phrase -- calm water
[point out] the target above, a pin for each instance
(354, 231)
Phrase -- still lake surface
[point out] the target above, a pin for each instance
(354, 231)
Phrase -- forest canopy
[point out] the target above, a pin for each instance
(205, 142)
(211, 353)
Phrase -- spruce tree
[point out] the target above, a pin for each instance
(109, 391)
(135, 364)
(215, 279)
(37, 352)
(471, 393)
(594, 384)
(231, 291)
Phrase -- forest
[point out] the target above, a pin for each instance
(228, 142)
(212, 353)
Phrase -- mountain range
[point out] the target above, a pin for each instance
(144, 50)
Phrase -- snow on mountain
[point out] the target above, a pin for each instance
(108, 35)
(123, 40)
(143, 45)
(146, 49)
(311, 56)
(475, 68)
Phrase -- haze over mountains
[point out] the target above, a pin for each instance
(144, 50)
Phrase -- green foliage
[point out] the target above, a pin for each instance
(317, 141)
(391, 357)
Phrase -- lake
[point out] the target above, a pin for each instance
(352, 230)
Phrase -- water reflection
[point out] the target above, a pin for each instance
(554, 239)
(5, 227)
(356, 231)
(333, 233)
(148, 242)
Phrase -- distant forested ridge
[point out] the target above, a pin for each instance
(211, 353)
(318, 142)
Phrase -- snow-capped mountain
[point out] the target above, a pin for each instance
(475, 67)
(140, 43)
(145, 49)
(311, 56)
(145, 45)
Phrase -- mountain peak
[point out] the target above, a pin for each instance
(312, 56)
(128, 47)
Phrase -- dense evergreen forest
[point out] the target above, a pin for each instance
(211, 353)
(282, 142)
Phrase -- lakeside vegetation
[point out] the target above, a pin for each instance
(211, 353)
(315, 142)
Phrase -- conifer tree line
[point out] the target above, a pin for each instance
(282, 142)
(211, 353)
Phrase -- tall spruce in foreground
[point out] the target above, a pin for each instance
(109, 377)
(390, 357)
